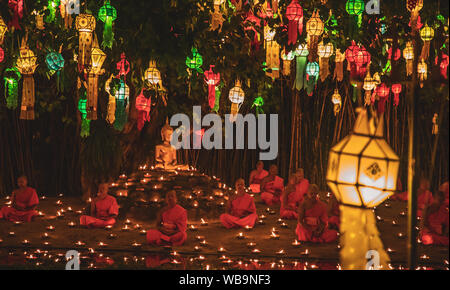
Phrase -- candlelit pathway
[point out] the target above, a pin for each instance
(128, 237)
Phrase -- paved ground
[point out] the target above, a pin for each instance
(216, 236)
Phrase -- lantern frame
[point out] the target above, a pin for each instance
(54, 61)
(98, 57)
(294, 12)
(85, 23)
(354, 7)
(325, 50)
(152, 74)
(107, 10)
(313, 69)
(26, 63)
(196, 61)
(3, 30)
(315, 26)
(427, 33)
(237, 94)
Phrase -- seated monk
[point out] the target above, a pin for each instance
(435, 222)
(166, 154)
(444, 188)
(241, 209)
(399, 193)
(257, 176)
(302, 184)
(104, 209)
(23, 203)
(290, 200)
(424, 196)
(272, 187)
(171, 224)
(334, 213)
(313, 219)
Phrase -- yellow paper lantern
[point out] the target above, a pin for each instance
(152, 74)
(3, 29)
(236, 97)
(362, 173)
(427, 34)
(408, 55)
(339, 66)
(422, 70)
(336, 99)
(97, 59)
(272, 53)
(314, 29)
(26, 64)
(287, 58)
(369, 85)
(324, 52)
(85, 24)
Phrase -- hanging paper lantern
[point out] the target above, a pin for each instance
(382, 92)
(362, 173)
(294, 13)
(16, 7)
(427, 34)
(396, 90)
(355, 8)
(362, 59)
(65, 14)
(85, 24)
(143, 105)
(408, 55)
(339, 66)
(435, 121)
(272, 53)
(236, 97)
(324, 52)
(212, 80)
(391, 56)
(314, 29)
(85, 123)
(97, 59)
(54, 61)
(107, 14)
(300, 78)
(337, 102)
(122, 97)
(3, 29)
(217, 17)
(196, 61)
(111, 116)
(368, 86)
(2, 55)
(11, 77)
(152, 74)
(414, 6)
(51, 7)
(258, 103)
(443, 65)
(26, 64)
(249, 25)
(422, 70)
(351, 52)
(123, 66)
(287, 58)
(40, 21)
(312, 74)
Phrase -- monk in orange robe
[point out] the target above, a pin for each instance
(334, 213)
(313, 219)
(171, 224)
(435, 222)
(257, 176)
(444, 188)
(272, 187)
(399, 193)
(302, 184)
(241, 209)
(23, 203)
(424, 196)
(290, 200)
(104, 210)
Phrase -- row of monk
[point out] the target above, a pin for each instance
(299, 200)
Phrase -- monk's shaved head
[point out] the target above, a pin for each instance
(313, 188)
(171, 198)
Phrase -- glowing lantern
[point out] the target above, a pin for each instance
(85, 24)
(422, 70)
(337, 102)
(216, 17)
(362, 173)
(39, 20)
(396, 90)
(414, 6)
(362, 60)
(152, 74)
(111, 116)
(408, 55)
(312, 72)
(123, 66)
(26, 64)
(212, 80)
(97, 59)
(249, 25)
(85, 123)
(443, 65)
(107, 14)
(65, 14)
(287, 58)
(272, 53)
(368, 86)
(236, 97)
(294, 13)
(339, 66)
(382, 92)
(391, 56)
(143, 105)
(122, 97)
(258, 103)
(314, 29)
(300, 80)
(427, 34)
(3, 29)
(196, 61)
(2, 55)
(356, 9)
(324, 52)
(55, 63)
(51, 6)
(16, 7)
(435, 121)
(11, 77)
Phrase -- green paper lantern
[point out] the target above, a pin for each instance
(354, 7)
(196, 61)
(312, 69)
(107, 14)
(85, 124)
(258, 103)
(52, 6)
(12, 77)
(54, 61)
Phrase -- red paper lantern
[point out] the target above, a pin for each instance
(351, 52)
(362, 57)
(294, 13)
(2, 55)
(396, 90)
(143, 105)
(397, 54)
(383, 92)
(443, 65)
(212, 80)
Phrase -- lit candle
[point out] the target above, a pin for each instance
(388, 205)
(17, 223)
(102, 245)
(47, 244)
(71, 224)
(40, 213)
(203, 222)
(262, 217)
(45, 236)
(256, 251)
(401, 235)
(51, 228)
(199, 238)
(137, 226)
(197, 249)
(281, 252)
(390, 250)
(305, 253)
(126, 228)
(268, 210)
(284, 225)
(394, 223)
(136, 245)
(127, 222)
(80, 243)
(59, 202)
(248, 228)
(261, 222)
(251, 245)
(108, 227)
(204, 243)
(143, 232)
(25, 242)
(221, 250)
(12, 234)
(296, 244)
(274, 230)
(274, 236)
(240, 236)
(402, 213)
(193, 228)
(112, 236)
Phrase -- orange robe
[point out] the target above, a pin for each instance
(436, 221)
(423, 200)
(302, 188)
(272, 191)
(172, 218)
(255, 185)
(104, 209)
(293, 199)
(26, 198)
(401, 196)
(335, 217)
(243, 213)
(312, 217)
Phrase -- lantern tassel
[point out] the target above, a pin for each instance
(300, 73)
(217, 100)
(121, 115)
(28, 98)
(425, 50)
(339, 71)
(108, 34)
(85, 127)
(11, 93)
(212, 95)
(293, 26)
(111, 117)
